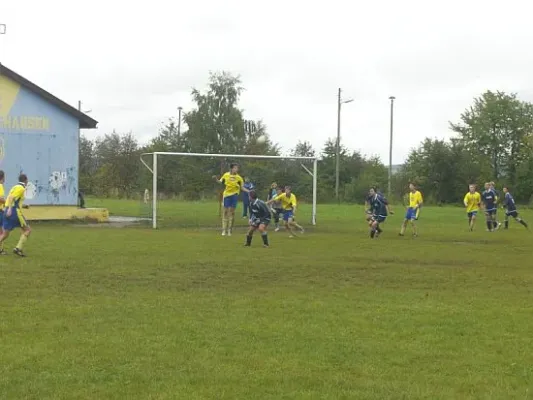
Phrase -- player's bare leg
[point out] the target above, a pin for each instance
(472, 222)
(404, 227)
(26, 231)
(250, 236)
(415, 229)
(375, 230)
(289, 229)
(264, 234)
(225, 221)
(297, 226)
(3, 236)
(231, 220)
(489, 221)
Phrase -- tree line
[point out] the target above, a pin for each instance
(493, 142)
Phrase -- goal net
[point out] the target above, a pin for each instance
(182, 188)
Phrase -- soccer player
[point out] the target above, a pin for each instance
(233, 184)
(13, 217)
(510, 209)
(245, 197)
(2, 203)
(415, 202)
(288, 204)
(380, 210)
(496, 224)
(472, 202)
(488, 198)
(259, 219)
(277, 209)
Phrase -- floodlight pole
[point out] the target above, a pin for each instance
(391, 98)
(340, 102)
(179, 122)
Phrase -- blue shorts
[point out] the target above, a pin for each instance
(411, 214)
(379, 218)
(257, 221)
(288, 214)
(513, 213)
(491, 211)
(16, 220)
(231, 201)
(1, 217)
(472, 214)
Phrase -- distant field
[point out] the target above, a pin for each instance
(133, 313)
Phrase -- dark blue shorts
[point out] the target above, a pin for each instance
(231, 201)
(491, 211)
(16, 220)
(513, 213)
(379, 218)
(472, 214)
(256, 222)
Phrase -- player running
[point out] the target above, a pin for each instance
(259, 219)
(489, 199)
(472, 202)
(510, 209)
(415, 202)
(277, 210)
(380, 210)
(496, 224)
(13, 217)
(233, 185)
(288, 204)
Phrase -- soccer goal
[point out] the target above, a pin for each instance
(185, 191)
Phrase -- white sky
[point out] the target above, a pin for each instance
(133, 63)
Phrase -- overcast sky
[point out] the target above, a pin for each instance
(133, 65)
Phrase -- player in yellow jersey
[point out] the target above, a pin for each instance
(233, 184)
(288, 204)
(13, 217)
(415, 202)
(472, 203)
(2, 202)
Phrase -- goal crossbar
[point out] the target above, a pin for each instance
(155, 155)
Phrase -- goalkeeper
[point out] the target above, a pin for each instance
(259, 219)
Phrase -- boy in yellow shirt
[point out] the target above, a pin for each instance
(472, 203)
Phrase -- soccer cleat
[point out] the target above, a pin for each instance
(302, 231)
(277, 229)
(266, 246)
(247, 245)
(229, 233)
(223, 233)
(18, 252)
(400, 234)
(3, 253)
(498, 226)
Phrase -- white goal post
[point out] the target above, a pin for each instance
(156, 155)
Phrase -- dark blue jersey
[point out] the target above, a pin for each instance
(259, 210)
(508, 202)
(488, 197)
(378, 205)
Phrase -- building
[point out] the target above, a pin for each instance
(39, 136)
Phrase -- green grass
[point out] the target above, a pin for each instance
(103, 313)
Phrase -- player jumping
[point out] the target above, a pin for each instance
(472, 201)
(259, 219)
(489, 200)
(288, 203)
(415, 202)
(510, 209)
(13, 217)
(380, 210)
(233, 184)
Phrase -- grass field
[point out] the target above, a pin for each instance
(132, 313)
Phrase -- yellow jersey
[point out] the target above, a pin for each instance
(2, 194)
(287, 202)
(232, 183)
(15, 197)
(415, 199)
(472, 201)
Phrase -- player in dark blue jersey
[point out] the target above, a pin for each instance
(488, 198)
(380, 210)
(496, 223)
(510, 208)
(259, 219)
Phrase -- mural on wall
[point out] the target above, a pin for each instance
(40, 140)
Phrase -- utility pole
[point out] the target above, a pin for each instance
(340, 102)
(391, 98)
(179, 122)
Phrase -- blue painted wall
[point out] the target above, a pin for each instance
(41, 140)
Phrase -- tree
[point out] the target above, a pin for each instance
(87, 165)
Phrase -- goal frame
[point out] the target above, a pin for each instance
(157, 154)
